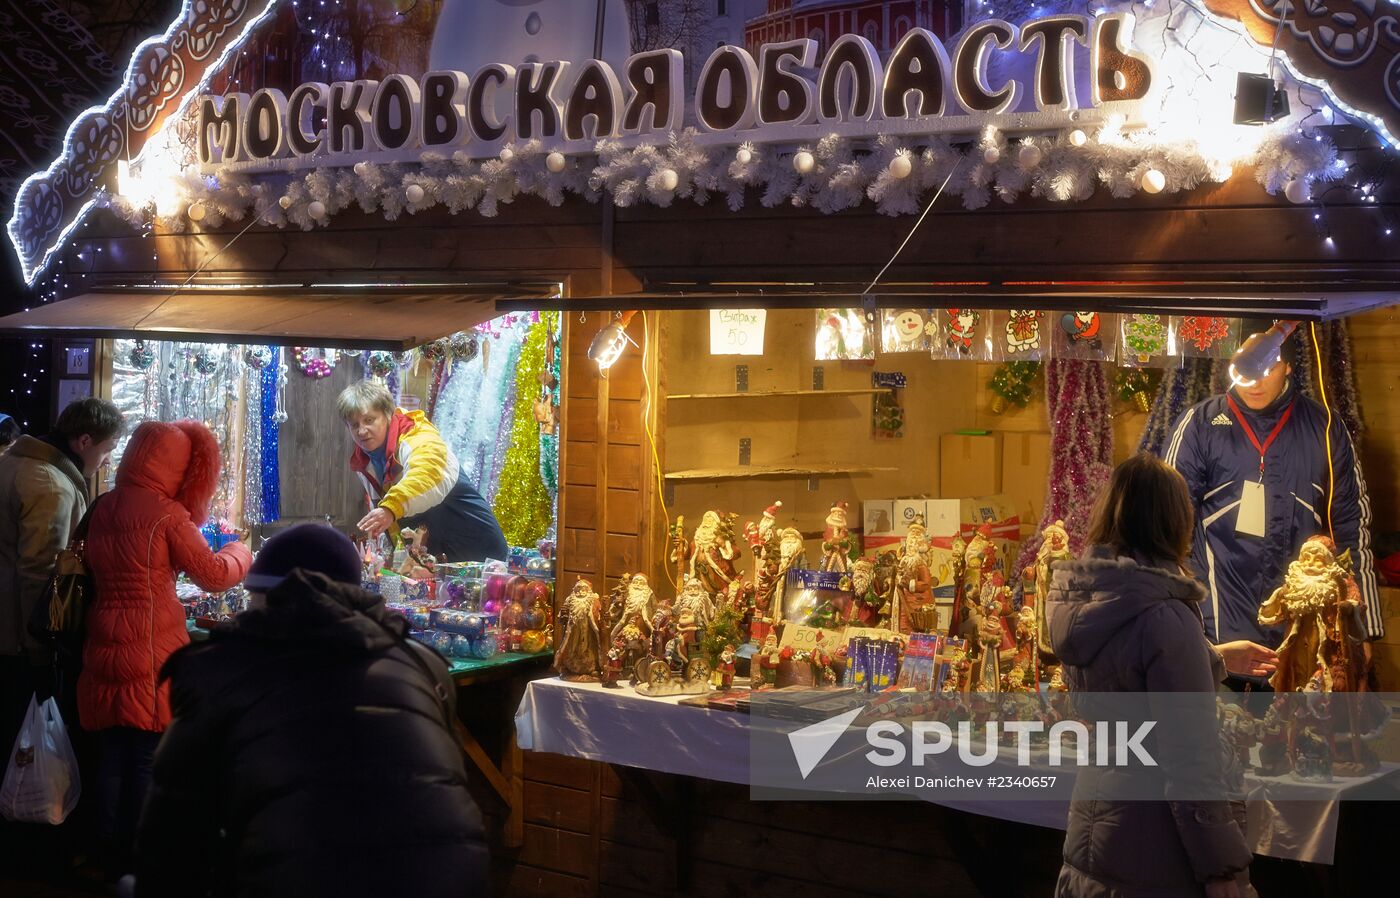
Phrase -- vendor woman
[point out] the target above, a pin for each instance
(1257, 462)
(412, 479)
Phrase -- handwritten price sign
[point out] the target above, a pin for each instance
(804, 639)
(737, 331)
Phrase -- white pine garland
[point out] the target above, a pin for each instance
(845, 174)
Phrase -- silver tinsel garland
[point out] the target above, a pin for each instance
(845, 172)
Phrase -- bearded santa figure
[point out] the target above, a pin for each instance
(1054, 546)
(836, 541)
(1321, 604)
(913, 589)
(696, 600)
(865, 610)
(641, 602)
(712, 553)
(791, 554)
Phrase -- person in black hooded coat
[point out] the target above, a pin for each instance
(310, 752)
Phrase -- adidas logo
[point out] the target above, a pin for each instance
(1222, 418)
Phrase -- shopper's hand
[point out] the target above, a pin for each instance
(1223, 888)
(1248, 659)
(377, 522)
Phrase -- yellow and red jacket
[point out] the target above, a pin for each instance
(419, 469)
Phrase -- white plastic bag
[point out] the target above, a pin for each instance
(41, 776)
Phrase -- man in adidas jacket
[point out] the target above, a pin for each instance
(1266, 443)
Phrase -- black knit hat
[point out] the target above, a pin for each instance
(311, 547)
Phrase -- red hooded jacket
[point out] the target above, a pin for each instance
(139, 537)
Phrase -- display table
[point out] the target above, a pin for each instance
(618, 726)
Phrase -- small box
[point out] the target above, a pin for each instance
(1025, 472)
(878, 525)
(969, 465)
(906, 512)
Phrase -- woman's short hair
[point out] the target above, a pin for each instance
(363, 397)
(1146, 511)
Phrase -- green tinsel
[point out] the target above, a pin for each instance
(1012, 382)
(523, 505)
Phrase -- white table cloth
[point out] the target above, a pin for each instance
(618, 726)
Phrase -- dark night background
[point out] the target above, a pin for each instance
(58, 57)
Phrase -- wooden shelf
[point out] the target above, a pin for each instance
(791, 472)
(768, 394)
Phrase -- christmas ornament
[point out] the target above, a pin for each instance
(465, 346)
(1028, 156)
(1144, 336)
(196, 212)
(1021, 333)
(317, 363)
(1083, 327)
(257, 357)
(1207, 335)
(1297, 191)
(1137, 385)
(842, 335)
(887, 410)
(907, 330)
(316, 209)
(803, 162)
(379, 364)
(1077, 138)
(901, 166)
(436, 351)
(1012, 385)
(960, 331)
(555, 162)
(1153, 181)
(414, 193)
(142, 356)
(204, 361)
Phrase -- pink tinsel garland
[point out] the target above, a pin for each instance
(1081, 450)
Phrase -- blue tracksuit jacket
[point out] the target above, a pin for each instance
(1211, 450)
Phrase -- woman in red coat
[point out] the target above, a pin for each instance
(140, 535)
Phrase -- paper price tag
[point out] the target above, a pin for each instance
(737, 331)
(804, 639)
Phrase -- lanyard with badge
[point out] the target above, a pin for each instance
(1251, 518)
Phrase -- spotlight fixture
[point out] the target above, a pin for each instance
(1260, 353)
(609, 343)
(1258, 100)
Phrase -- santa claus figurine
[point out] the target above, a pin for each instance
(913, 582)
(640, 603)
(836, 541)
(792, 555)
(724, 670)
(712, 552)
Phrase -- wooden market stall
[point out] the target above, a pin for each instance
(668, 430)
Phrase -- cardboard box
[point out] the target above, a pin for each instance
(886, 521)
(969, 465)
(1025, 472)
(1390, 616)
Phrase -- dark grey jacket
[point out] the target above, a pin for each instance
(1124, 626)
